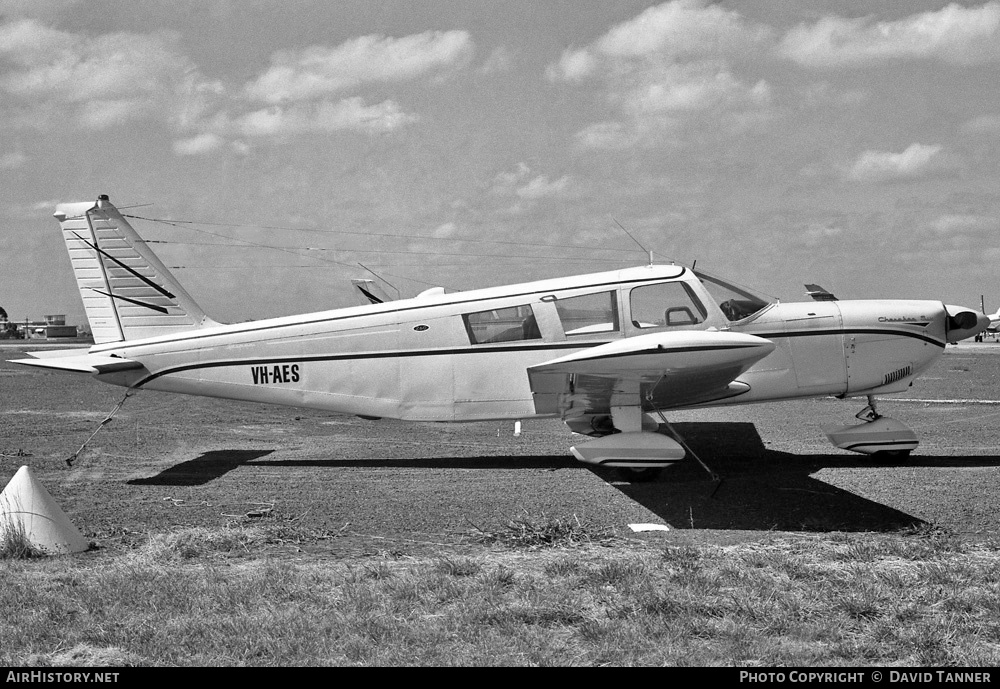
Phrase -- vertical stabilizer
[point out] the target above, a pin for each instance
(128, 294)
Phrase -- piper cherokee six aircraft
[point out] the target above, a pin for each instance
(607, 353)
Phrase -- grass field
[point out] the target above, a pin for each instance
(217, 597)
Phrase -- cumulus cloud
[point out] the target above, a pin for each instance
(347, 114)
(301, 88)
(574, 65)
(683, 28)
(444, 230)
(669, 64)
(679, 30)
(692, 87)
(12, 161)
(197, 145)
(98, 81)
(541, 187)
(48, 62)
(877, 166)
(320, 70)
(609, 135)
(498, 61)
(984, 124)
(101, 81)
(505, 182)
(955, 34)
(959, 223)
(525, 187)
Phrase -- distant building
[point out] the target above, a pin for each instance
(53, 327)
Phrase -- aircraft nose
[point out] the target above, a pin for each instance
(964, 322)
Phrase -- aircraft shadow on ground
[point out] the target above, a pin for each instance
(203, 469)
(485, 462)
(763, 489)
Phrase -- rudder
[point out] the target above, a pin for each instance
(127, 293)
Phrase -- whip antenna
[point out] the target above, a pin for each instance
(644, 249)
(398, 293)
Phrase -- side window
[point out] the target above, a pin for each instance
(502, 325)
(669, 304)
(588, 314)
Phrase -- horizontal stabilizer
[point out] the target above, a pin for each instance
(57, 353)
(80, 363)
(369, 292)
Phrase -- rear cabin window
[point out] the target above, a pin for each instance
(511, 324)
(667, 305)
(588, 314)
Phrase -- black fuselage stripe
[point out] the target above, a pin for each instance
(515, 348)
(395, 354)
(850, 331)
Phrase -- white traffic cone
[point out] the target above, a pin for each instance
(26, 507)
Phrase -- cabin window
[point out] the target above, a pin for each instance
(588, 314)
(667, 305)
(511, 324)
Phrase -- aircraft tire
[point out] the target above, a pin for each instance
(639, 475)
(892, 454)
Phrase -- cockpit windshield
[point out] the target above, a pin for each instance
(737, 303)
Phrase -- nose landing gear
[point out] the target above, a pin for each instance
(879, 435)
(869, 413)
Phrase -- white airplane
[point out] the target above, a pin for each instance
(608, 353)
(994, 325)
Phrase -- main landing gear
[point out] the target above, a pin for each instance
(879, 435)
(637, 450)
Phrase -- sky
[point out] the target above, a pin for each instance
(276, 149)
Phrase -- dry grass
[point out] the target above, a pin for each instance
(223, 597)
(15, 544)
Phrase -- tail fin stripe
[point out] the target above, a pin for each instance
(154, 307)
(146, 280)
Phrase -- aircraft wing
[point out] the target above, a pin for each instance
(667, 369)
